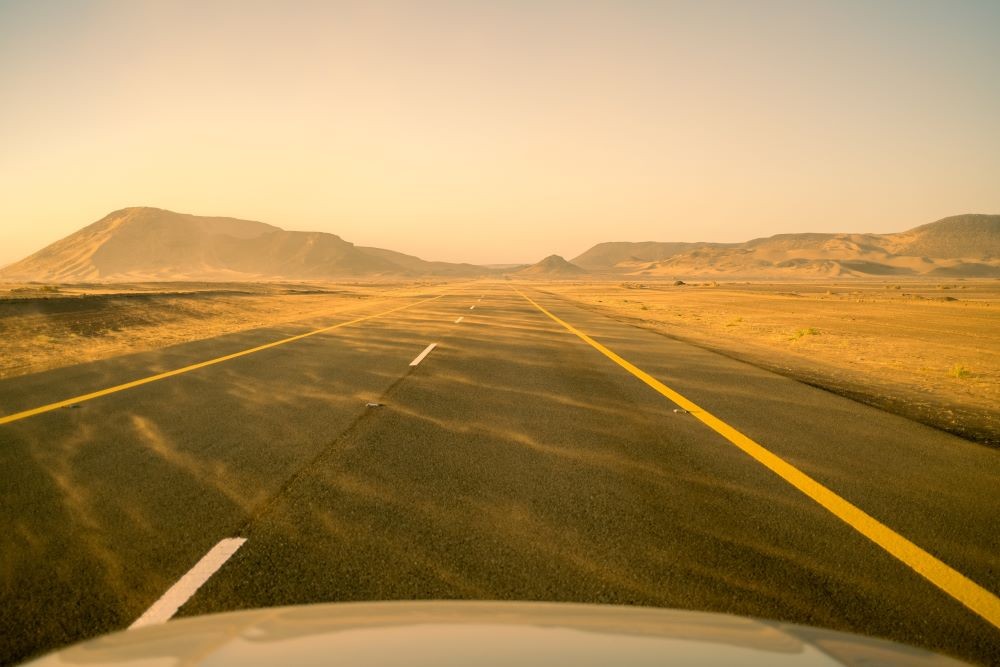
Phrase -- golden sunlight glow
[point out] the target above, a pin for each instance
(467, 131)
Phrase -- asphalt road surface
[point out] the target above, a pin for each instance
(518, 460)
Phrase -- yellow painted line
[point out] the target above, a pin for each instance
(949, 580)
(202, 364)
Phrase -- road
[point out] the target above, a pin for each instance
(538, 451)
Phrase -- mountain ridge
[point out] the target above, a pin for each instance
(962, 245)
(146, 243)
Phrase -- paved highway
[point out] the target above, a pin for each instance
(486, 441)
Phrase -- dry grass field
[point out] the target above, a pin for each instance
(930, 351)
(49, 326)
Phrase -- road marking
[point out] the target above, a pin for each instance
(951, 581)
(187, 369)
(420, 357)
(472, 307)
(459, 320)
(165, 608)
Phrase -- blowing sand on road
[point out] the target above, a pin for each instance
(404, 450)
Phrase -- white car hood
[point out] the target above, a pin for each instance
(445, 633)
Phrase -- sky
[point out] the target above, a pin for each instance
(496, 132)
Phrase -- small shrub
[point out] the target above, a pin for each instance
(959, 371)
(809, 331)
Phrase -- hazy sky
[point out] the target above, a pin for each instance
(500, 131)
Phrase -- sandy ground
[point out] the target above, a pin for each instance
(43, 327)
(930, 351)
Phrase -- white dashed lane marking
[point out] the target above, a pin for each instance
(420, 357)
(165, 608)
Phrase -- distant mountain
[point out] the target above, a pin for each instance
(154, 244)
(552, 266)
(606, 255)
(963, 245)
(416, 265)
(971, 235)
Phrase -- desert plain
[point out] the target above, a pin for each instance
(927, 350)
(51, 326)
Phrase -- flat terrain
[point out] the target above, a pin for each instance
(515, 461)
(50, 326)
(929, 351)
